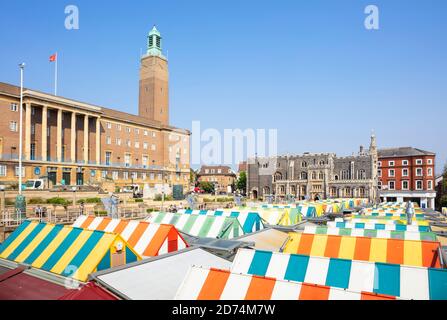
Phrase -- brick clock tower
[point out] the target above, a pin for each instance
(154, 81)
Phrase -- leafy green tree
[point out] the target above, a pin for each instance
(206, 186)
(441, 196)
(242, 182)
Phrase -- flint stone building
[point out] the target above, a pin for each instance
(315, 176)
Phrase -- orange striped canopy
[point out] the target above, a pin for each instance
(396, 251)
(148, 239)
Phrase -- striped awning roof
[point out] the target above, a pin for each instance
(200, 225)
(148, 239)
(213, 284)
(383, 221)
(406, 282)
(383, 234)
(378, 226)
(250, 221)
(405, 252)
(67, 251)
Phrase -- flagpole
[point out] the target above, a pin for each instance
(55, 75)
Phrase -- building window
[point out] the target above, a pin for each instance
(153, 148)
(126, 175)
(362, 174)
(152, 176)
(145, 132)
(379, 173)
(304, 164)
(115, 175)
(109, 140)
(154, 134)
(419, 172)
(143, 176)
(320, 176)
(344, 175)
(33, 129)
(134, 175)
(391, 173)
(145, 161)
(13, 126)
(430, 185)
(3, 171)
(108, 158)
(405, 162)
(379, 185)
(405, 185)
(118, 126)
(430, 172)
(128, 143)
(104, 174)
(33, 151)
(14, 107)
(159, 177)
(391, 163)
(404, 172)
(118, 141)
(109, 125)
(137, 144)
(419, 185)
(17, 171)
(419, 161)
(127, 160)
(137, 131)
(429, 161)
(379, 163)
(127, 129)
(391, 185)
(145, 145)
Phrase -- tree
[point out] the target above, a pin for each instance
(206, 186)
(242, 182)
(441, 196)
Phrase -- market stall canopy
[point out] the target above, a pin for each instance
(200, 225)
(250, 221)
(67, 251)
(378, 226)
(215, 284)
(156, 278)
(17, 284)
(148, 239)
(406, 252)
(267, 239)
(383, 234)
(406, 282)
(91, 291)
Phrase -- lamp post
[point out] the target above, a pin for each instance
(20, 199)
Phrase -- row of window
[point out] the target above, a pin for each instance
(129, 130)
(3, 171)
(392, 163)
(213, 171)
(114, 174)
(406, 185)
(135, 175)
(405, 172)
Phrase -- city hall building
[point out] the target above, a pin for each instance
(315, 176)
(75, 143)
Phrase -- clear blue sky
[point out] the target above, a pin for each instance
(308, 68)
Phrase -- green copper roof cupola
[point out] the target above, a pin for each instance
(154, 43)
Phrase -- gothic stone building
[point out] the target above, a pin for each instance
(315, 176)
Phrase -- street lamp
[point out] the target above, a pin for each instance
(20, 199)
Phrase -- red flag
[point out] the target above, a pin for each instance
(53, 58)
